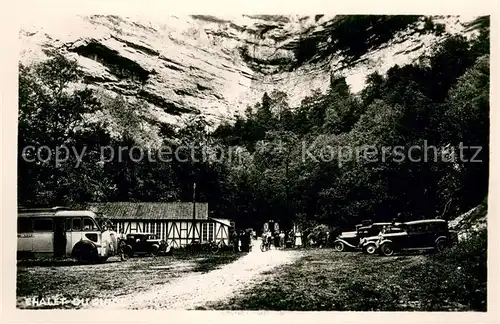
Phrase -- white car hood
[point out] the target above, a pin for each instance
(349, 234)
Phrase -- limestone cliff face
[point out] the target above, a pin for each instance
(217, 66)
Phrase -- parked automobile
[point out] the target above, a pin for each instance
(346, 240)
(351, 240)
(145, 244)
(369, 244)
(430, 234)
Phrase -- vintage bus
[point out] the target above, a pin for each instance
(59, 232)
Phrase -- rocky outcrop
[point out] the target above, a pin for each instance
(217, 66)
(470, 222)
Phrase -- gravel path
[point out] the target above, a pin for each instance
(201, 288)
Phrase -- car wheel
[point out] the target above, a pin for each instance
(370, 249)
(387, 249)
(103, 259)
(440, 245)
(339, 246)
(87, 255)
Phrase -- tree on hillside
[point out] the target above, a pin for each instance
(53, 112)
(467, 123)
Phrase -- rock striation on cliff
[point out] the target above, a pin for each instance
(217, 66)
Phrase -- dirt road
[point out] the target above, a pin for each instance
(198, 289)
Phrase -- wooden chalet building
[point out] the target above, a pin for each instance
(172, 221)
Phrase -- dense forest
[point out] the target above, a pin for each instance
(276, 161)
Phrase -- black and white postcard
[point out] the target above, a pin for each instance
(252, 162)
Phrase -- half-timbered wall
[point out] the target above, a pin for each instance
(221, 233)
(177, 233)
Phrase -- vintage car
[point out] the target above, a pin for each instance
(369, 244)
(145, 243)
(346, 240)
(351, 240)
(429, 234)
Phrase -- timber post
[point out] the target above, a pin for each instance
(194, 211)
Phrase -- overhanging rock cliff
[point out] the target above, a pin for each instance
(217, 66)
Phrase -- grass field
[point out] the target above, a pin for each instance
(69, 279)
(327, 280)
(317, 279)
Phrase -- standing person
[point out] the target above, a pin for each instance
(269, 239)
(307, 238)
(321, 239)
(245, 244)
(266, 238)
(252, 239)
(239, 241)
(249, 240)
(282, 240)
(298, 239)
(291, 237)
(234, 240)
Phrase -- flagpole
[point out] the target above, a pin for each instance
(194, 210)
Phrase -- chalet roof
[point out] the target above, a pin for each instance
(150, 210)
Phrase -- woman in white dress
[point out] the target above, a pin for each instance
(298, 239)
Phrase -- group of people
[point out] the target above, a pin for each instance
(242, 240)
(281, 240)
